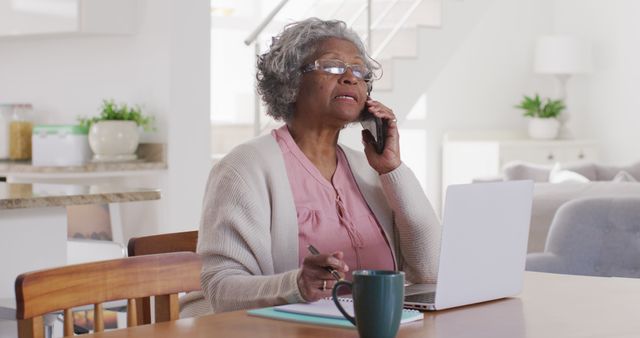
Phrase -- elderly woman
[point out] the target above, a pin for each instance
(271, 197)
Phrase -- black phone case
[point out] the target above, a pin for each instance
(375, 125)
(378, 129)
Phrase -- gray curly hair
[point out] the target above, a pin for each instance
(279, 68)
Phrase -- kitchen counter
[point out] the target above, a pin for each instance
(34, 222)
(8, 168)
(38, 195)
(151, 157)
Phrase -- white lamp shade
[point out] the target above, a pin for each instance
(562, 54)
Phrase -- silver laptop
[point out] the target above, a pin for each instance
(485, 228)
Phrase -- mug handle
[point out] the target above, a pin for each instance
(334, 293)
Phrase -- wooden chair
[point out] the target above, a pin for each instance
(157, 244)
(63, 288)
(163, 243)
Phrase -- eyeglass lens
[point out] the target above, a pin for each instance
(339, 67)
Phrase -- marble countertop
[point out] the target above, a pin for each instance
(151, 156)
(39, 195)
(10, 167)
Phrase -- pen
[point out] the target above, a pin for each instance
(334, 273)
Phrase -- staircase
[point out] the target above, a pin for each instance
(385, 16)
(425, 35)
(435, 46)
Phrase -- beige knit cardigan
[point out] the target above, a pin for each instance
(249, 231)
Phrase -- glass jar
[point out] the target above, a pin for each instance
(20, 132)
(5, 118)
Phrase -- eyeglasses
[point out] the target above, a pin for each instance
(338, 67)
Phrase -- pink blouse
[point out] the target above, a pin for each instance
(333, 216)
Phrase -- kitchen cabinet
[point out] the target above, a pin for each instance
(33, 223)
(50, 17)
(466, 157)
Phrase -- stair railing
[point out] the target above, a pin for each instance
(263, 24)
(335, 11)
(379, 20)
(396, 29)
(252, 38)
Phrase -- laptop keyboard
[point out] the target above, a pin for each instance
(419, 288)
(426, 298)
(420, 296)
(430, 297)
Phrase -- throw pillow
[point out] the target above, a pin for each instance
(558, 175)
(624, 176)
(518, 170)
(586, 169)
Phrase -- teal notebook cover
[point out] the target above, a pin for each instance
(322, 312)
(269, 312)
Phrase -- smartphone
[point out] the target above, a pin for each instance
(376, 126)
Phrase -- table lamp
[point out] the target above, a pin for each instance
(562, 56)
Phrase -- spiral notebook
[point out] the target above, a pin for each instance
(322, 312)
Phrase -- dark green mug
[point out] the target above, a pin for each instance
(378, 297)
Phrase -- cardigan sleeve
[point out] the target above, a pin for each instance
(418, 227)
(235, 244)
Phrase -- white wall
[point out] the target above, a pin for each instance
(605, 102)
(164, 67)
(485, 77)
(188, 116)
(491, 69)
(65, 77)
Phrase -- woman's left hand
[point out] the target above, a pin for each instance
(390, 157)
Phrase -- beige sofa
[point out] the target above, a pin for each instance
(548, 197)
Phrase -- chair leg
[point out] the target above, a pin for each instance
(167, 308)
(132, 313)
(31, 328)
(68, 323)
(144, 310)
(98, 318)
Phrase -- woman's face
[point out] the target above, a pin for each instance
(335, 99)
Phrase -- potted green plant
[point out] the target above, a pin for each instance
(543, 123)
(114, 134)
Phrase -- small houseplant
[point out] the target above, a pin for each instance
(544, 122)
(114, 135)
(111, 111)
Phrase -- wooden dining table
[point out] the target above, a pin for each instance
(550, 305)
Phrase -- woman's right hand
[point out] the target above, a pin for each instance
(314, 281)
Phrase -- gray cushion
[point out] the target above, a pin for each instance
(593, 236)
(624, 176)
(587, 170)
(607, 173)
(518, 170)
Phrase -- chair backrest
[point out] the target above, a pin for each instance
(163, 243)
(156, 244)
(597, 236)
(63, 288)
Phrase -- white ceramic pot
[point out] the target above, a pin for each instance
(114, 140)
(543, 129)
